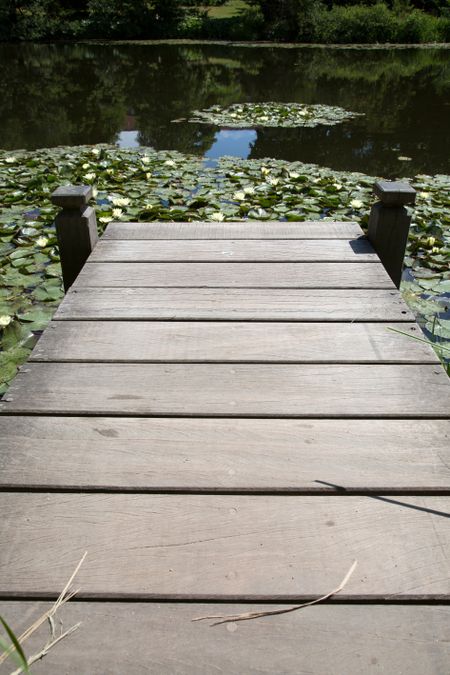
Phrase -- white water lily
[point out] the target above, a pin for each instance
(404, 159)
(294, 174)
(95, 151)
(5, 320)
(338, 186)
(265, 170)
(218, 216)
(105, 219)
(148, 175)
(169, 162)
(110, 172)
(145, 159)
(424, 195)
(120, 201)
(263, 118)
(117, 213)
(94, 192)
(239, 196)
(273, 181)
(356, 204)
(249, 190)
(89, 176)
(11, 159)
(86, 166)
(42, 241)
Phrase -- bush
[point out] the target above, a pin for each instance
(377, 23)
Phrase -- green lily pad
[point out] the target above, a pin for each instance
(270, 114)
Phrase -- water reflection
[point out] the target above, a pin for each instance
(129, 94)
(236, 143)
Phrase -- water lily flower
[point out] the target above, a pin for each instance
(120, 201)
(94, 192)
(263, 118)
(89, 176)
(148, 175)
(5, 320)
(95, 151)
(404, 159)
(239, 196)
(265, 170)
(86, 165)
(338, 186)
(218, 216)
(42, 241)
(110, 172)
(117, 213)
(169, 162)
(356, 204)
(11, 159)
(145, 159)
(105, 219)
(294, 174)
(249, 190)
(424, 195)
(273, 181)
(431, 241)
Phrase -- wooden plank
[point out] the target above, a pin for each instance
(236, 390)
(240, 275)
(350, 639)
(224, 454)
(235, 547)
(315, 250)
(234, 304)
(144, 341)
(241, 230)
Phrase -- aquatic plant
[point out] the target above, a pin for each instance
(144, 185)
(254, 115)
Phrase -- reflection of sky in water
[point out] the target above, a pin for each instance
(128, 139)
(237, 143)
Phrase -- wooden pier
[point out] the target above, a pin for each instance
(220, 416)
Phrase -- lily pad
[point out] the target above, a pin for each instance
(253, 115)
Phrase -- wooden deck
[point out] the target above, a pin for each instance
(220, 416)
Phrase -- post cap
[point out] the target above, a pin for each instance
(72, 196)
(394, 193)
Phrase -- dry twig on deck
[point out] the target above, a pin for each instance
(257, 615)
(65, 595)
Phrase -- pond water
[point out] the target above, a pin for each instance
(130, 94)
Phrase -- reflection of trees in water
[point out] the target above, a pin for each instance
(72, 94)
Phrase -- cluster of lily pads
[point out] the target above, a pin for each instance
(144, 185)
(245, 115)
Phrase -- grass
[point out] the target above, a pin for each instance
(229, 10)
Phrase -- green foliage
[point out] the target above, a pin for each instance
(335, 21)
(377, 23)
(254, 115)
(17, 653)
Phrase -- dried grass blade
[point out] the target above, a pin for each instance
(256, 615)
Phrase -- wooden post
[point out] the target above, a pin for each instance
(389, 225)
(76, 229)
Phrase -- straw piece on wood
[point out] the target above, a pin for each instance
(257, 615)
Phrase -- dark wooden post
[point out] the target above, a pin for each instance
(389, 224)
(76, 229)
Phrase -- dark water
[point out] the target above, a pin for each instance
(129, 94)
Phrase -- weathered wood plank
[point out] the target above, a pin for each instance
(241, 230)
(350, 639)
(240, 275)
(309, 250)
(237, 390)
(231, 546)
(224, 454)
(234, 341)
(234, 304)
